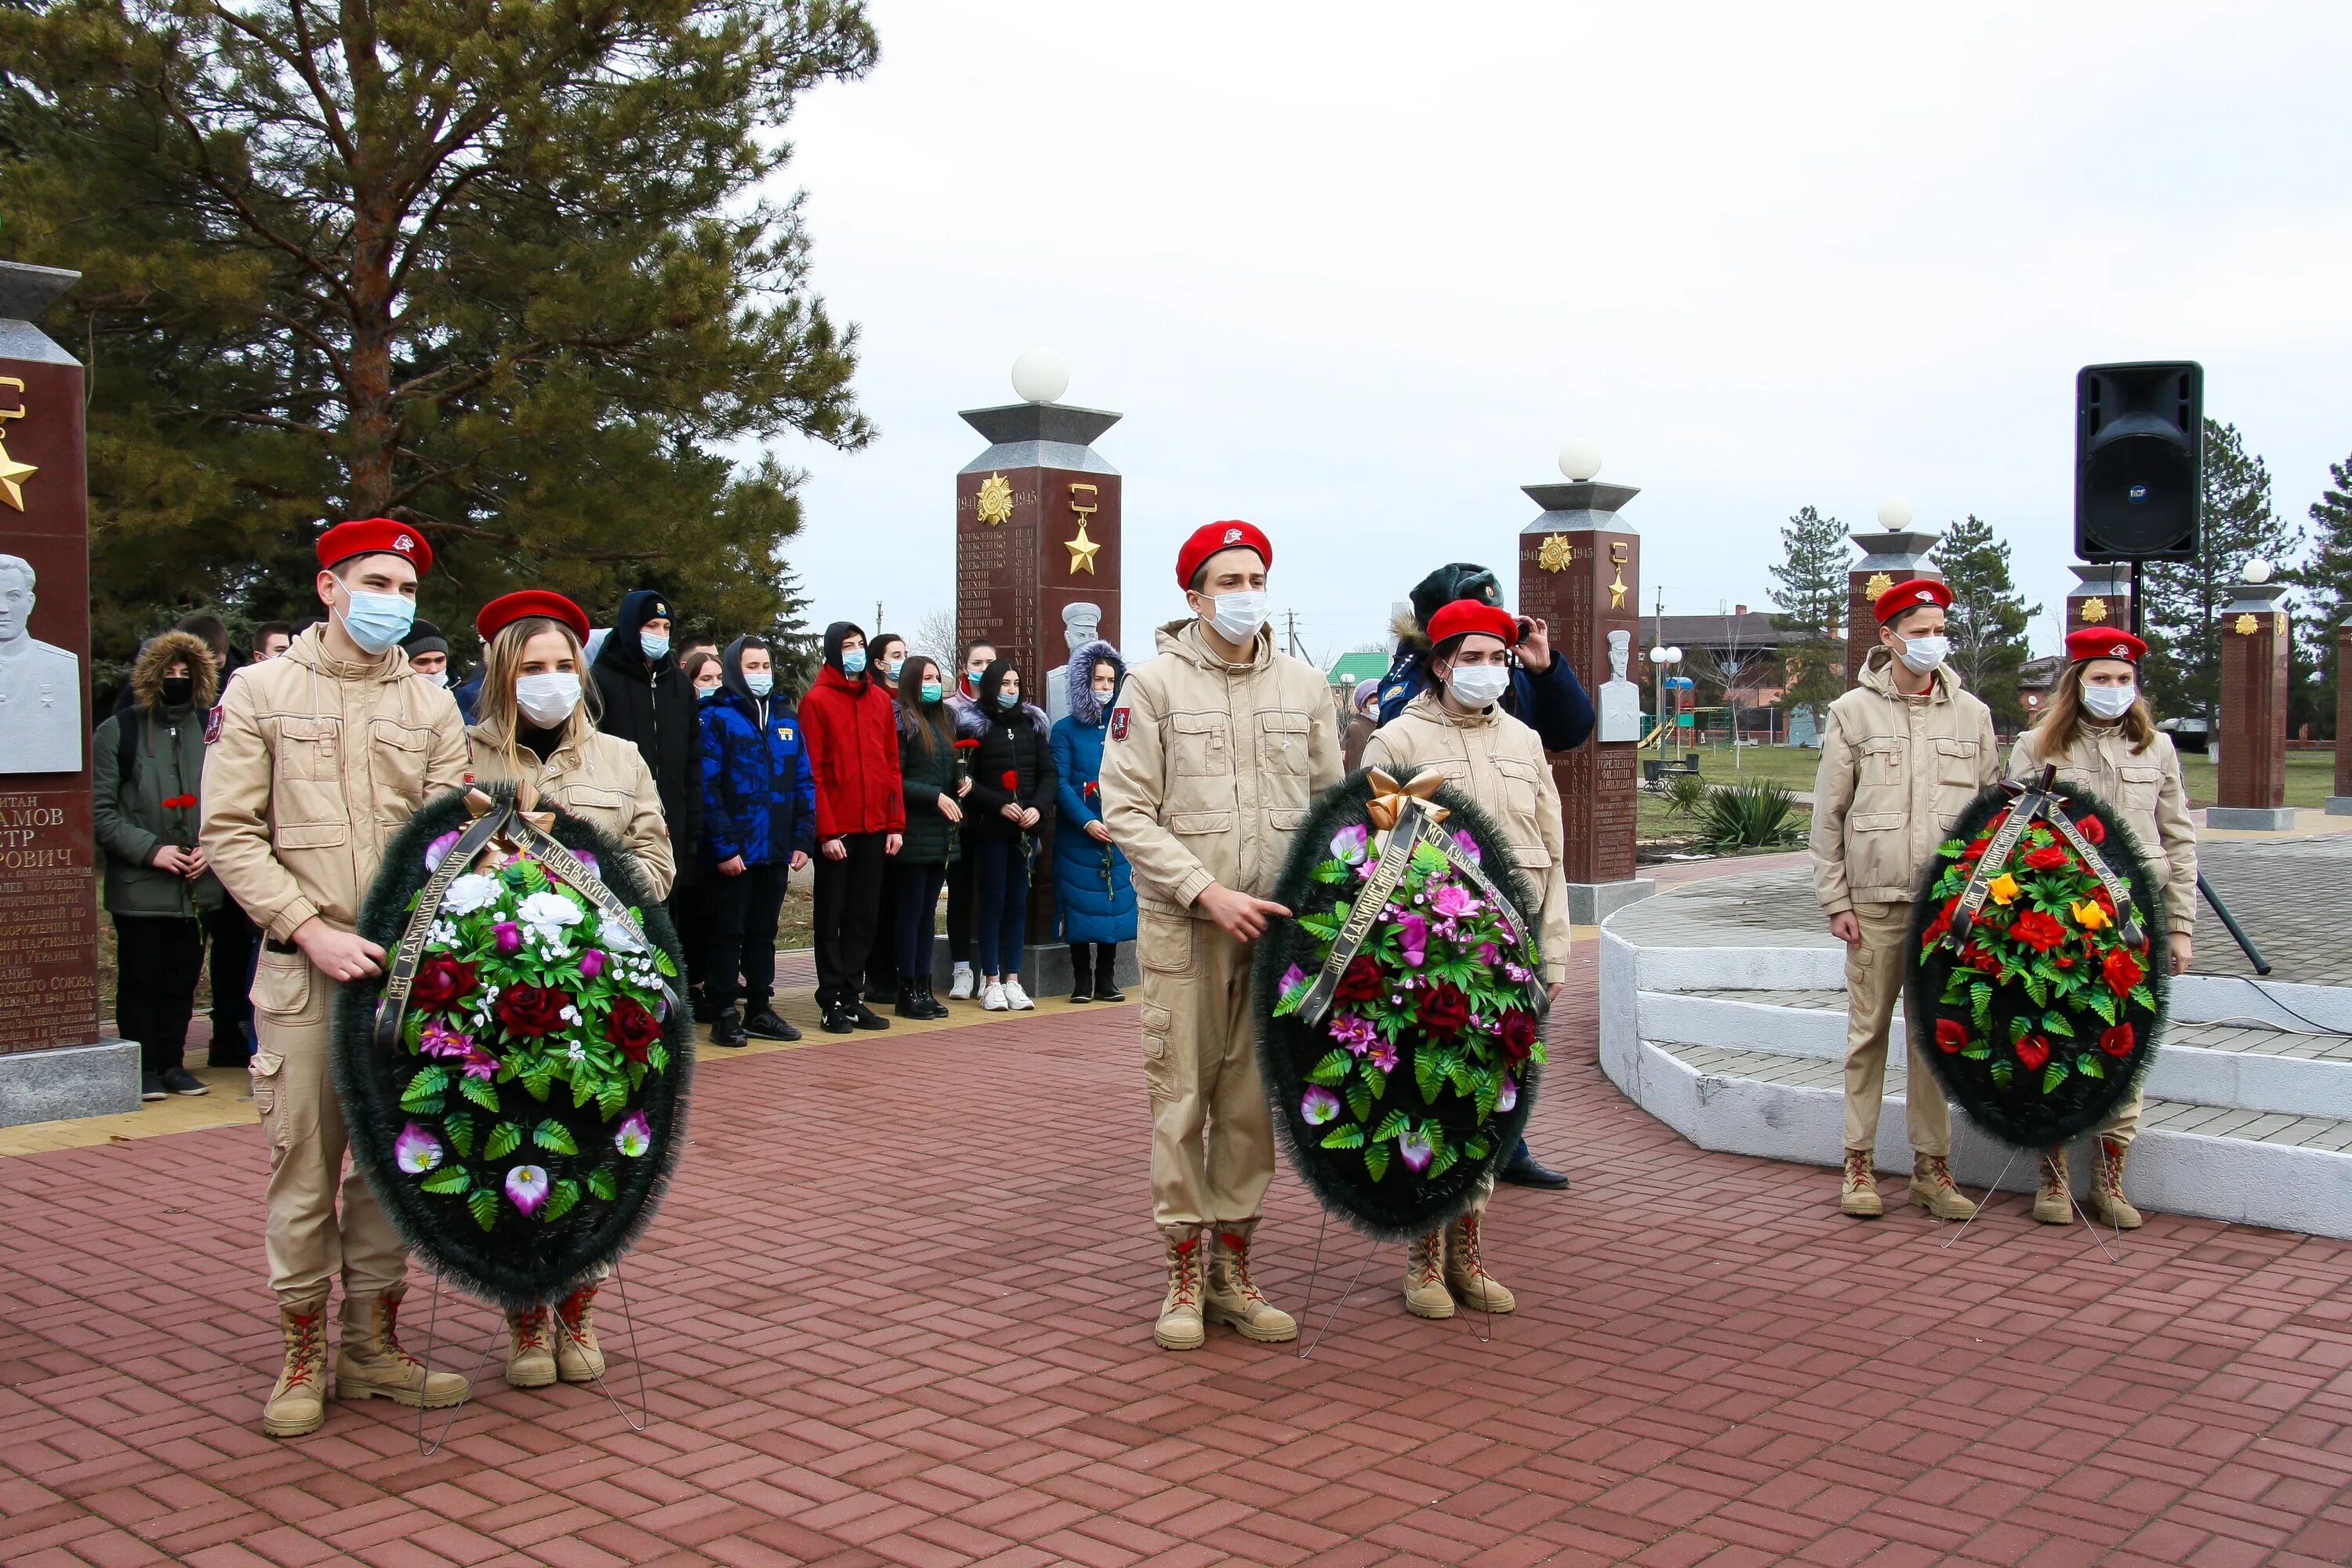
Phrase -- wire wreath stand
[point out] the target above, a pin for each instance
(428, 1447)
(1484, 1332)
(2114, 1253)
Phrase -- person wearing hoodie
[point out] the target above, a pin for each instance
(1011, 778)
(887, 657)
(146, 766)
(428, 653)
(963, 703)
(1094, 895)
(861, 815)
(759, 823)
(935, 784)
(1544, 693)
(645, 699)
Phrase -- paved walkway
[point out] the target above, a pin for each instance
(897, 1311)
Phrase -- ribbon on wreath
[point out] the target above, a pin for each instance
(2039, 801)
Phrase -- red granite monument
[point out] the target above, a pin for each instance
(2251, 791)
(2339, 804)
(2102, 598)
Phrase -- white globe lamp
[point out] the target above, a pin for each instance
(1658, 653)
(1894, 514)
(1674, 655)
(2258, 571)
(1579, 459)
(1040, 376)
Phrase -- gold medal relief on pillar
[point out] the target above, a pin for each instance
(1879, 582)
(2095, 611)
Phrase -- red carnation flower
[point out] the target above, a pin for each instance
(441, 981)
(2093, 830)
(2117, 1041)
(1444, 1010)
(2121, 971)
(1978, 958)
(1359, 982)
(1950, 1034)
(2037, 930)
(178, 802)
(2033, 1051)
(632, 1028)
(2047, 857)
(531, 1009)
(1518, 1033)
(1012, 779)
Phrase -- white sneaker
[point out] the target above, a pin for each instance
(993, 1000)
(960, 988)
(1016, 998)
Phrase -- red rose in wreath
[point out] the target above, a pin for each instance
(2034, 1050)
(2047, 857)
(2093, 830)
(441, 981)
(1444, 1011)
(2121, 971)
(2117, 1041)
(531, 1009)
(1359, 982)
(1977, 958)
(2037, 930)
(632, 1028)
(1950, 1034)
(1518, 1034)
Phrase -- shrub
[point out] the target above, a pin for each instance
(1748, 816)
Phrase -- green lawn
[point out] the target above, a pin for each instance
(2310, 778)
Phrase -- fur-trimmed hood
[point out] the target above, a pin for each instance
(1085, 706)
(162, 651)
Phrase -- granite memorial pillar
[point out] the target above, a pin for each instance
(2251, 792)
(1580, 572)
(1895, 553)
(2339, 801)
(2101, 599)
(53, 1062)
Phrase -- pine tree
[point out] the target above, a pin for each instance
(2183, 599)
(504, 272)
(1989, 619)
(1812, 594)
(2327, 580)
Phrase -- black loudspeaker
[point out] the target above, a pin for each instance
(2140, 459)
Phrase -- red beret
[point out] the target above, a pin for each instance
(1473, 616)
(374, 536)
(1911, 595)
(508, 608)
(2104, 642)
(1209, 538)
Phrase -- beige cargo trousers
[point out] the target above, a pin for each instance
(1211, 1131)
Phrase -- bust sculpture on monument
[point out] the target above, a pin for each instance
(1620, 698)
(40, 685)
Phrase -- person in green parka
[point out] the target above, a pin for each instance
(931, 763)
(147, 772)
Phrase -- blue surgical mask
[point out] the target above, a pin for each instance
(377, 621)
(934, 692)
(891, 666)
(655, 644)
(760, 682)
(853, 661)
(1008, 700)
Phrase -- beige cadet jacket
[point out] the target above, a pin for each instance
(1210, 767)
(1896, 774)
(2145, 789)
(1498, 762)
(316, 765)
(604, 782)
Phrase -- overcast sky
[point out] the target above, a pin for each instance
(1355, 272)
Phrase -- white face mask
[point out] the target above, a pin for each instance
(1239, 615)
(547, 701)
(1922, 654)
(439, 678)
(1477, 685)
(2109, 702)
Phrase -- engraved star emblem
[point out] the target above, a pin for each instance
(1082, 550)
(1555, 554)
(2245, 625)
(12, 477)
(2095, 610)
(995, 503)
(1879, 582)
(1617, 590)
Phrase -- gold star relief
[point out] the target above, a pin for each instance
(1082, 550)
(1555, 554)
(2245, 625)
(2095, 611)
(1879, 582)
(12, 475)
(1617, 591)
(995, 504)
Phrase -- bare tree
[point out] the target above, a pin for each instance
(934, 634)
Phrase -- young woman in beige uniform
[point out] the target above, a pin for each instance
(2098, 730)
(1457, 727)
(537, 724)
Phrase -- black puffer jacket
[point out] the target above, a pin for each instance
(1014, 762)
(651, 705)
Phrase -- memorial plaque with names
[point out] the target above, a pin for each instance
(1582, 576)
(1037, 532)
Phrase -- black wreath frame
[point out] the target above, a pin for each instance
(520, 1263)
(1402, 1204)
(2020, 1115)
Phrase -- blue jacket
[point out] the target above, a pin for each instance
(1552, 704)
(1094, 897)
(758, 798)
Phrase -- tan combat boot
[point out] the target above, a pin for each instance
(1180, 1327)
(2105, 1199)
(298, 1406)
(1859, 1196)
(530, 1358)
(369, 1364)
(1233, 1297)
(1932, 1188)
(578, 1357)
(1465, 1269)
(2053, 1201)
(1425, 1295)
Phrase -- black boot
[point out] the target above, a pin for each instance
(727, 1029)
(1082, 980)
(764, 1025)
(1524, 1170)
(1107, 973)
(910, 1002)
(932, 1007)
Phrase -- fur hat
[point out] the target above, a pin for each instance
(160, 653)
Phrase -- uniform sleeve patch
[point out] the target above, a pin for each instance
(212, 725)
(1118, 723)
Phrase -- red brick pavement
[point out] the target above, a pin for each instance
(898, 1311)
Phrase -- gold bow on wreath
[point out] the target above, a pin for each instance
(1389, 798)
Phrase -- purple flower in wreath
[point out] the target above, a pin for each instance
(416, 1150)
(438, 851)
(1507, 1094)
(592, 964)
(1412, 938)
(527, 1188)
(1289, 981)
(1467, 845)
(1356, 1034)
(438, 1040)
(1489, 954)
(1352, 844)
(1415, 1148)
(1383, 1055)
(1318, 1105)
(635, 1135)
(1453, 900)
(506, 937)
(588, 857)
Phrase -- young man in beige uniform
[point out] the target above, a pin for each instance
(1904, 753)
(318, 758)
(1216, 750)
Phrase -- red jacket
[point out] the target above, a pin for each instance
(852, 731)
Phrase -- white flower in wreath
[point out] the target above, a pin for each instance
(614, 935)
(468, 893)
(576, 1051)
(546, 914)
(443, 933)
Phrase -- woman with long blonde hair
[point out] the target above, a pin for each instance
(2097, 730)
(536, 723)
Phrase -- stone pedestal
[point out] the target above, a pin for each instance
(2339, 804)
(53, 1063)
(2103, 599)
(1579, 571)
(1888, 557)
(2252, 787)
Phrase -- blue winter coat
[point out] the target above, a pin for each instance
(758, 798)
(1094, 898)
